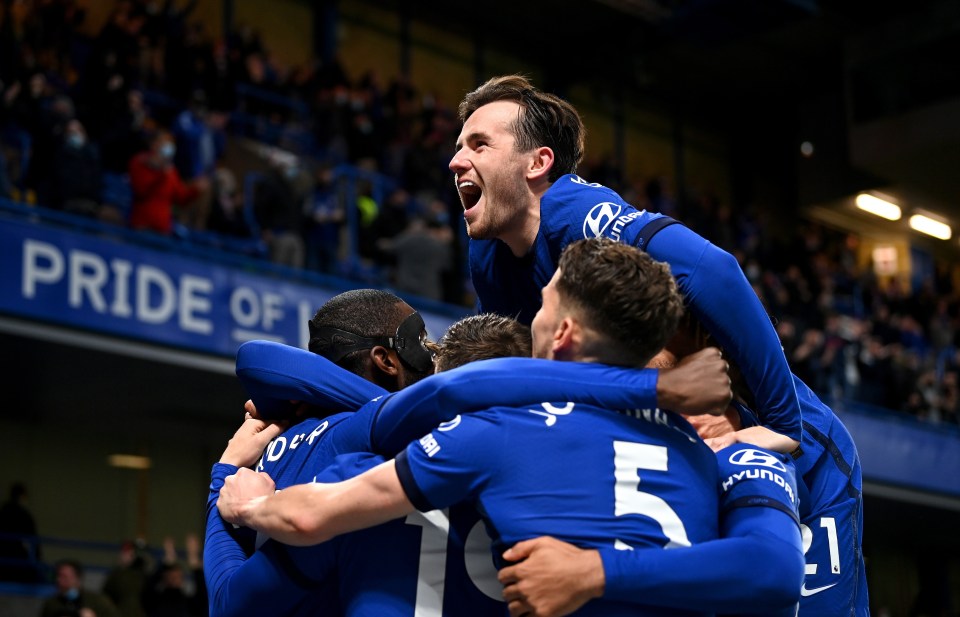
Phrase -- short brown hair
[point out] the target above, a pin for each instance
(482, 337)
(547, 120)
(623, 294)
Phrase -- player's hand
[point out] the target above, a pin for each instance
(708, 426)
(241, 491)
(247, 444)
(552, 578)
(758, 436)
(722, 441)
(699, 384)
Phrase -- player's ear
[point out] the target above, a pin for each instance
(385, 360)
(541, 163)
(565, 338)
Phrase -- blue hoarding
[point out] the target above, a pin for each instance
(95, 283)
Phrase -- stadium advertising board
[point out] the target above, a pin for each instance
(74, 279)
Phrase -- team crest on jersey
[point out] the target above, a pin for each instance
(756, 457)
(599, 218)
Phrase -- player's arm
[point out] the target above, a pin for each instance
(242, 449)
(275, 579)
(308, 514)
(747, 571)
(225, 547)
(723, 300)
(757, 566)
(699, 384)
(274, 374)
(757, 435)
(266, 583)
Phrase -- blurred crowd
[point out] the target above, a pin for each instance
(144, 582)
(139, 585)
(850, 333)
(132, 125)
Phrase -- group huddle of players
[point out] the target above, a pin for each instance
(467, 478)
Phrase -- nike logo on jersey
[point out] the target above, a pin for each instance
(810, 592)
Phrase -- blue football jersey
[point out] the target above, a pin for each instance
(710, 279)
(754, 569)
(585, 475)
(405, 567)
(832, 516)
(831, 512)
(275, 374)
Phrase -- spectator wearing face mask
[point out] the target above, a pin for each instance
(157, 186)
(77, 173)
(72, 600)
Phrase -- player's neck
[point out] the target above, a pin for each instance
(524, 232)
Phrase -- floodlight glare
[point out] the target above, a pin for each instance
(879, 207)
(931, 227)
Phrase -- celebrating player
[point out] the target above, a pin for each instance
(403, 568)
(545, 470)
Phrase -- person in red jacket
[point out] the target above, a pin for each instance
(157, 186)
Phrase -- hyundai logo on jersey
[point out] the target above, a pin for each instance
(757, 457)
(599, 218)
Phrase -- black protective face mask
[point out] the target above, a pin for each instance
(333, 343)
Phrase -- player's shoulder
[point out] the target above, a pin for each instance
(346, 466)
(571, 192)
(574, 208)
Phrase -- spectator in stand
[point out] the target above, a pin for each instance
(422, 253)
(167, 593)
(198, 149)
(157, 186)
(72, 600)
(125, 134)
(226, 210)
(391, 219)
(368, 210)
(324, 224)
(126, 582)
(44, 115)
(77, 177)
(278, 208)
(19, 555)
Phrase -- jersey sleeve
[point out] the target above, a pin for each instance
(266, 582)
(274, 374)
(412, 412)
(756, 565)
(452, 463)
(752, 477)
(715, 288)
